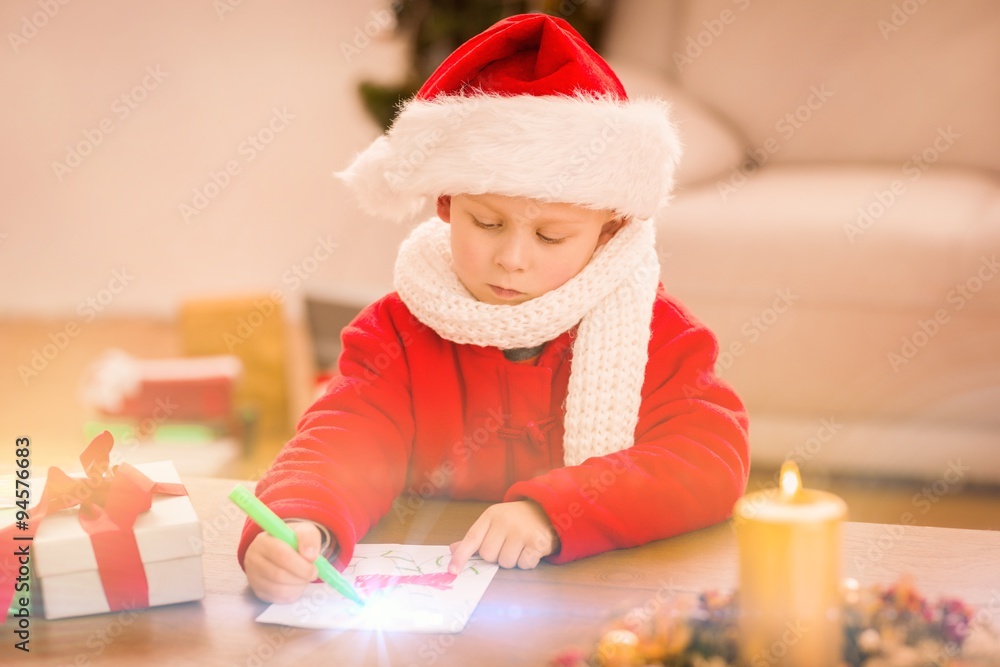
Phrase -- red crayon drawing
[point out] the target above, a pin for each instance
(367, 583)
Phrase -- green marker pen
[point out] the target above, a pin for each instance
(275, 527)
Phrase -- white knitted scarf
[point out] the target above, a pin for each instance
(611, 299)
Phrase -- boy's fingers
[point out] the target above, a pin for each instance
(528, 559)
(284, 564)
(310, 539)
(509, 554)
(461, 554)
(285, 567)
(278, 593)
(492, 545)
(469, 545)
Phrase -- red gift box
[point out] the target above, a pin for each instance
(96, 541)
(176, 389)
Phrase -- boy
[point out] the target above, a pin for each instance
(529, 354)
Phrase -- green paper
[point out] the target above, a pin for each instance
(179, 433)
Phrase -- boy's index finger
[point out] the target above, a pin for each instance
(462, 554)
(468, 546)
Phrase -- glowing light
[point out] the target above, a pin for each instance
(791, 482)
(384, 608)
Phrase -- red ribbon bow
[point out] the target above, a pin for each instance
(110, 499)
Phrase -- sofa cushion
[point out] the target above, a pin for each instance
(908, 448)
(715, 148)
(851, 363)
(637, 30)
(867, 236)
(981, 247)
(833, 294)
(848, 81)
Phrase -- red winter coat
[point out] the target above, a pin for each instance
(413, 412)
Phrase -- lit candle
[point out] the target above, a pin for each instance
(790, 597)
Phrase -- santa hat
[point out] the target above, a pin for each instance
(526, 108)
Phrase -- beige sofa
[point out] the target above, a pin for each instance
(837, 220)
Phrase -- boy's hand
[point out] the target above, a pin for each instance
(516, 534)
(275, 571)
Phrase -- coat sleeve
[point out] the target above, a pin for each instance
(349, 456)
(688, 466)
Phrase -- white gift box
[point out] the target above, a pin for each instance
(170, 546)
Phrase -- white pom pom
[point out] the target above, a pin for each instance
(377, 181)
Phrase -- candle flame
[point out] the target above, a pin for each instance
(791, 482)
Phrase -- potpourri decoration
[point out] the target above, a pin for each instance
(884, 626)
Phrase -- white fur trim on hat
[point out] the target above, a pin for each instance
(599, 152)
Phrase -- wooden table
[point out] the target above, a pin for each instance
(523, 619)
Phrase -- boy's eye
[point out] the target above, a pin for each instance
(547, 239)
(484, 225)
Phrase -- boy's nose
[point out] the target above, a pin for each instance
(512, 254)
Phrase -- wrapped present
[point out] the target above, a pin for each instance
(114, 538)
(160, 390)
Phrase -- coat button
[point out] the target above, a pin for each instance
(535, 435)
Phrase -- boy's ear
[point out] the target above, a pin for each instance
(444, 208)
(611, 228)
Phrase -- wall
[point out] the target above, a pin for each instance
(120, 121)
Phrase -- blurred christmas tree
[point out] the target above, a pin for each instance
(435, 28)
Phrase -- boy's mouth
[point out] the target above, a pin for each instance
(505, 293)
